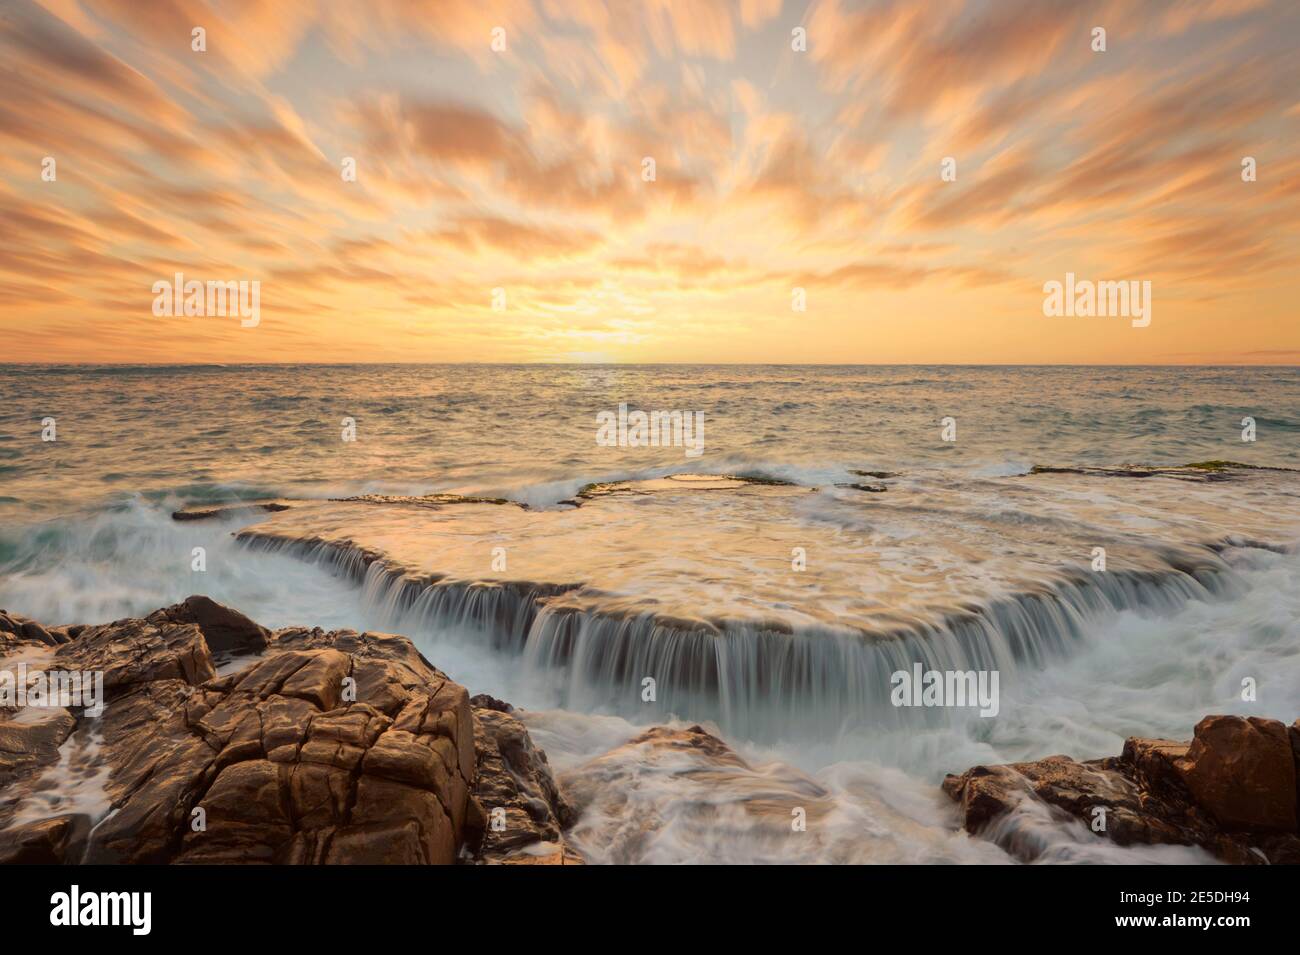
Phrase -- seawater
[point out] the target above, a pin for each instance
(86, 536)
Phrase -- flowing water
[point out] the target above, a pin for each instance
(965, 560)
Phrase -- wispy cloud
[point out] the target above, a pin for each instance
(509, 146)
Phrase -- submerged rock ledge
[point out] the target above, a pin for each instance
(223, 742)
(1232, 790)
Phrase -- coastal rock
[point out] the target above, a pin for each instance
(1293, 731)
(676, 786)
(222, 628)
(522, 813)
(30, 739)
(1242, 771)
(47, 842)
(484, 702)
(336, 747)
(203, 512)
(1232, 790)
(16, 629)
(131, 653)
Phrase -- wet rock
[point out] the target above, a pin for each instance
(30, 739)
(673, 787)
(131, 653)
(482, 701)
(1293, 732)
(521, 813)
(337, 747)
(695, 740)
(1242, 771)
(1231, 790)
(47, 842)
(203, 512)
(545, 853)
(223, 629)
(434, 501)
(15, 629)
(159, 768)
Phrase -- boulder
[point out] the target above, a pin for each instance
(1242, 771)
(520, 813)
(1231, 790)
(47, 842)
(131, 653)
(14, 628)
(223, 629)
(337, 747)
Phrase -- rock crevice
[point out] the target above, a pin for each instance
(313, 747)
(1231, 790)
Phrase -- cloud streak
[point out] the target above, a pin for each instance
(528, 169)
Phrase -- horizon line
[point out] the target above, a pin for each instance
(635, 364)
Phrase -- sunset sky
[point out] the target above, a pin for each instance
(775, 168)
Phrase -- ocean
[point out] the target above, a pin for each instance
(889, 515)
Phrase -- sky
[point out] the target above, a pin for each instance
(503, 209)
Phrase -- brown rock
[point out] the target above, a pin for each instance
(318, 795)
(520, 804)
(224, 629)
(30, 739)
(482, 701)
(159, 769)
(1155, 759)
(400, 844)
(1231, 791)
(1293, 731)
(276, 762)
(385, 804)
(985, 792)
(320, 680)
(48, 842)
(548, 855)
(20, 629)
(247, 817)
(133, 652)
(1242, 770)
(398, 756)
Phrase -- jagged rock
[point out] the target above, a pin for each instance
(131, 653)
(47, 842)
(1231, 790)
(30, 739)
(482, 701)
(14, 628)
(203, 512)
(222, 628)
(337, 747)
(522, 812)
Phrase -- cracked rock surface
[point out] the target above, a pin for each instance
(1234, 790)
(311, 747)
